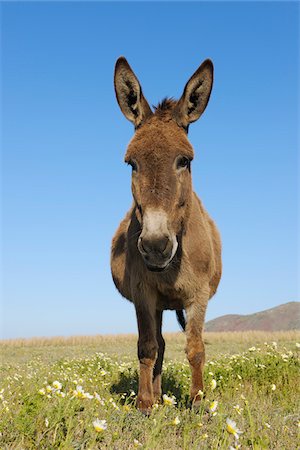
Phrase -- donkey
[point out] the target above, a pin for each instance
(166, 253)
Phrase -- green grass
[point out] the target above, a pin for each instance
(35, 415)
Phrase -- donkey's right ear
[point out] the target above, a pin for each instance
(129, 94)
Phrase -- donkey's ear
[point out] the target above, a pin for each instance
(129, 94)
(195, 95)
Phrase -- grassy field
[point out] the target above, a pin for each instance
(79, 393)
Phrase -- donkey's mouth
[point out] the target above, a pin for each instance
(156, 268)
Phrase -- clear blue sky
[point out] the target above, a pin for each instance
(65, 186)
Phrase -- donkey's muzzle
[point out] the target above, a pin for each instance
(157, 252)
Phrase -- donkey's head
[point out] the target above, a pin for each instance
(160, 156)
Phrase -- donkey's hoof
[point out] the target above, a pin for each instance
(196, 404)
(157, 397)
(197, 401)
(144, 405)
(145, 412)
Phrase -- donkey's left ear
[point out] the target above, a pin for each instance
(195, 95)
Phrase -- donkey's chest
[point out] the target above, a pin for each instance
(170, 296)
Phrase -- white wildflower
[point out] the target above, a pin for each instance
(238, 409)
(170, 401)
(232, 428)
(213, 384)
(100, 425)
(176, 421)
(57, 385)
(213, 406)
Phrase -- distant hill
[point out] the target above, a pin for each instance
(281, 318)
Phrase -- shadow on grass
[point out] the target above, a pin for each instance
(128, 382)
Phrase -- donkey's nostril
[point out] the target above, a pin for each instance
(163, 243)
(157, 245)
(143, 245)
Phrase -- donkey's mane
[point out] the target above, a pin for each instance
(165, 106)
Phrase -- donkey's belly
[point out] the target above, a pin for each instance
(164, 302)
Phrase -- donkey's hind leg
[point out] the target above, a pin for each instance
(160, 356)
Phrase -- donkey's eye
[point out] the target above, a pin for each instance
(183, 163)
(133, 164)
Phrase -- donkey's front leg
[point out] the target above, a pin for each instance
(147, 353)
(195, 350)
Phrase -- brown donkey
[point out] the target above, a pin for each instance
(166, 253)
